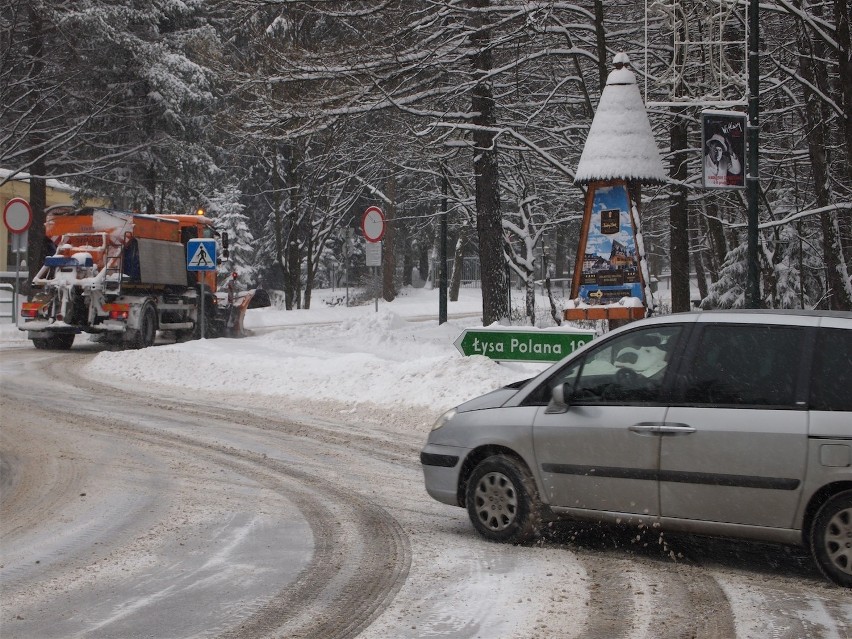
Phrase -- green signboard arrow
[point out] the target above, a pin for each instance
(518, 345)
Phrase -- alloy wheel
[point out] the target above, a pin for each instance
(496, 501)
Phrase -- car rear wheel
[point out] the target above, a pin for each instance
(502, 500)
(831, 539)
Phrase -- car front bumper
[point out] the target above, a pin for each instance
(441, 468)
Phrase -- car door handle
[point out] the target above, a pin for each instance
(657, 428)
(646, 428)
(676, 429)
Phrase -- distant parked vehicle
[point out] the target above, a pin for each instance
(726, 423)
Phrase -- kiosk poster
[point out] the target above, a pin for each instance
(609, 269)
(723, 134)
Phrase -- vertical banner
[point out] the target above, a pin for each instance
(724, 142)
(607, 267)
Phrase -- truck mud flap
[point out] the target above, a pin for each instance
(53, 341)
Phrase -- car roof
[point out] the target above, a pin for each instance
(792, 316)
(777, 311)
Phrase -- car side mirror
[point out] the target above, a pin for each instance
(559, 401)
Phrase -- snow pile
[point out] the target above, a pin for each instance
(624, 302)
(384, 360)
(620, 144)
(397, 358)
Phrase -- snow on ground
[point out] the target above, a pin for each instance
(392, 363)
(390, 355)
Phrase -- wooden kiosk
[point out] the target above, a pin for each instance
(610, 280)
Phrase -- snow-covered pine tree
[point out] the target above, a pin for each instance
(225, 207)
(729, 290)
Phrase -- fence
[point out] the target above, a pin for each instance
(470, 274)
(7, 302)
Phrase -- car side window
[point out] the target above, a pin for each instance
(744, 365)
(626, 368)
(831, 388)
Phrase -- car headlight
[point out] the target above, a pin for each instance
(443, 419)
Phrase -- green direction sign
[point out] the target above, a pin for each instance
(521, 345)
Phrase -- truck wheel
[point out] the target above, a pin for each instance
(211, 329)
(56, 342)
(831, 539)
(63, 341)
(147, 327)
(184, 336)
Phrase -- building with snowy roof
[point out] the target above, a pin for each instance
(14, 185)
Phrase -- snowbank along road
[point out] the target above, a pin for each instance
(141, 512)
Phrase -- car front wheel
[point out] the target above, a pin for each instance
(502, 500)
(831, 539)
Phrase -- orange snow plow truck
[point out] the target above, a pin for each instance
(123, 276)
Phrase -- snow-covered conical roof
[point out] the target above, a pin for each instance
(620, 143)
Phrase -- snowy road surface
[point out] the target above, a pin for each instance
(146, 512)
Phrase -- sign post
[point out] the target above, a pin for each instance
(514, 344)
(373, 228)
(17, 216)
(347, 250)
(201, 256)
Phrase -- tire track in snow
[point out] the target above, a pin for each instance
(360, 558)
(777, 611)
(637, 591)
(361, 555)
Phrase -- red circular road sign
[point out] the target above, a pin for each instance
(373, 224)
(17, 216)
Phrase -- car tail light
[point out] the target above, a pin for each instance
(117, 311)
(30, 309)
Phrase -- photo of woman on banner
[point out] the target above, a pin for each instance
(724, 148)
(721, 163)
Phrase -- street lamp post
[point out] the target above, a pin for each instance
(752, 293)
(442, 272)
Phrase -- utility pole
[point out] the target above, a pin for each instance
(442, 270)
(752, 293)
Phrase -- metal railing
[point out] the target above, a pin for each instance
(8, 302)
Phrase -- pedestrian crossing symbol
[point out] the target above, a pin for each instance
(201, 255)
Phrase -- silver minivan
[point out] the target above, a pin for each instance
(728, 423)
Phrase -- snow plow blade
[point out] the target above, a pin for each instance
(259, 299)
(236, 312)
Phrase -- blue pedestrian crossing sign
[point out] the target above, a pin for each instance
(201, 255)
